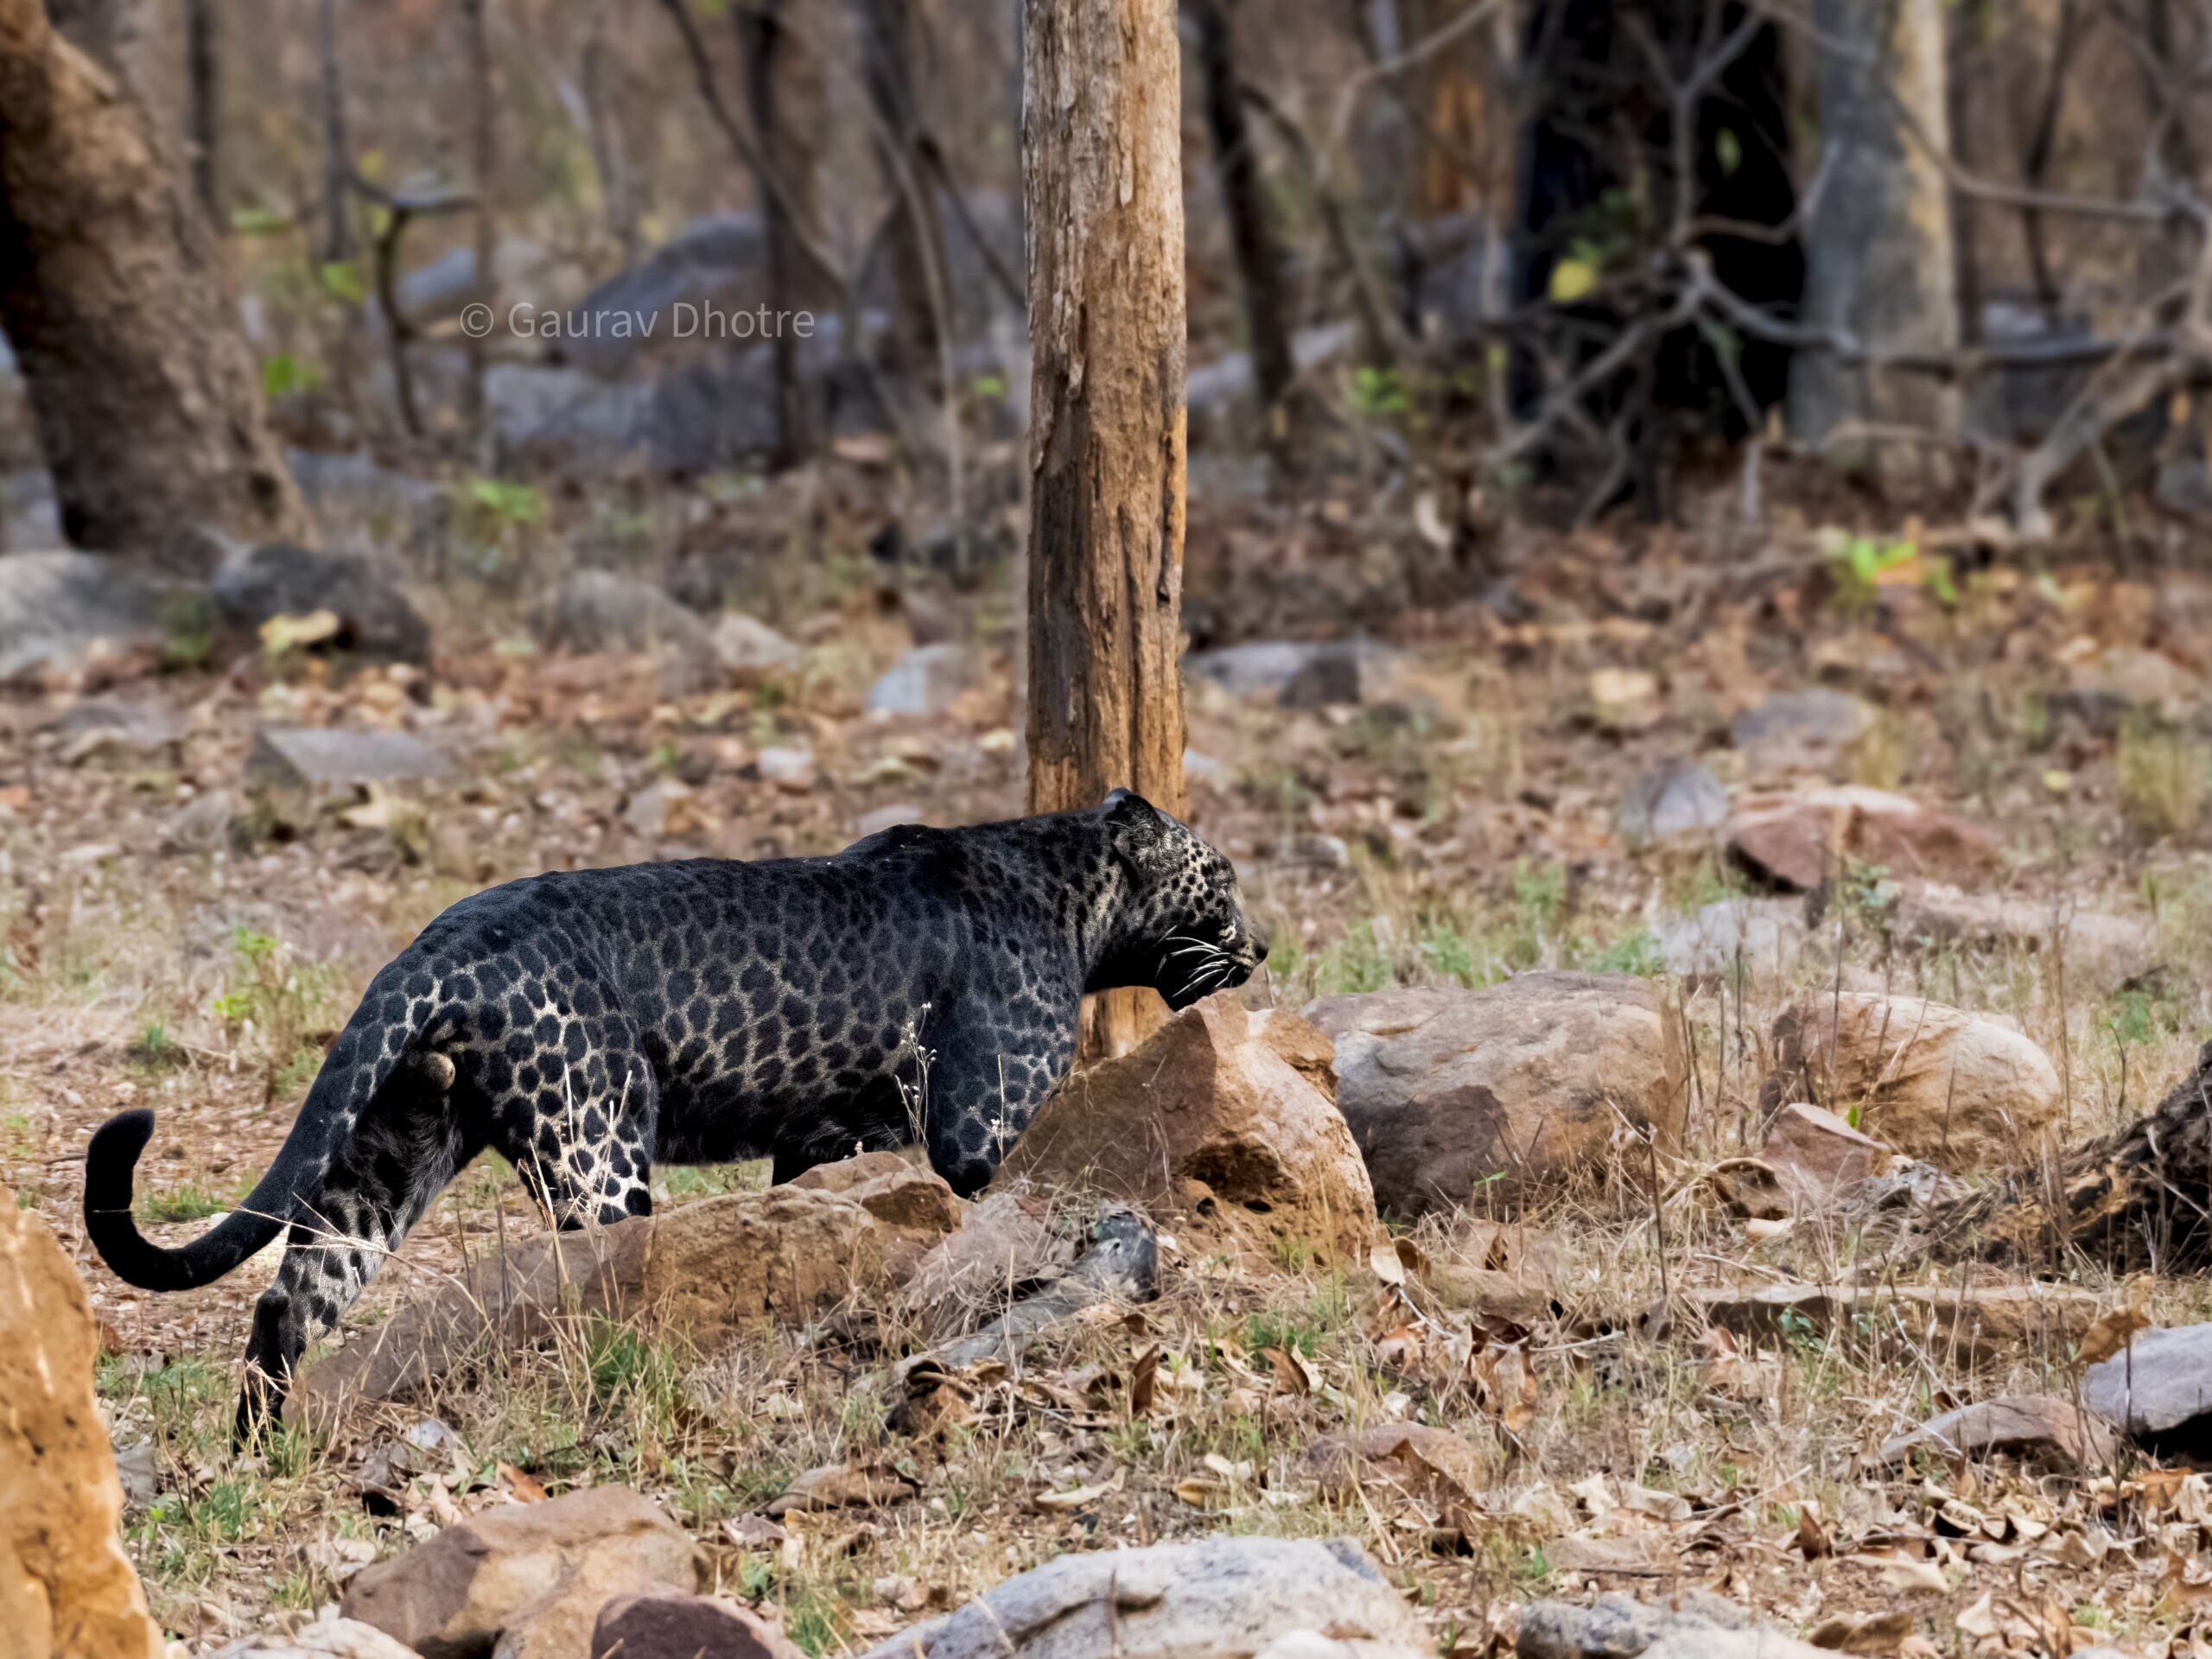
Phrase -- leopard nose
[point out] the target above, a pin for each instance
(1259, 947)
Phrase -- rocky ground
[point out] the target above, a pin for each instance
(1656, 940)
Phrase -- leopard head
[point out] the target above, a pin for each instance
(1182, 929)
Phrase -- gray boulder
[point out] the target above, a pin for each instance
(375, 620)
(1222, 1598)
(1675, 800)
(53, 606)
(598, 610)
(1693, 1624)
(2160, 1391)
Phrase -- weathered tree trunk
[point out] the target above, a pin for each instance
(1236, 166)
(203, 124)
(919, 285)
(113, 295)
(1879, 247)
(2135, 1200)
(484, 166)
(765, 41)
(337, 151)
(1102, 179)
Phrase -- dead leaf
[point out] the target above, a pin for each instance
(843, 1485)
(2110, 1333)
(1293, 1372)
(1813, 1542)
(1878, 1637)
(1075, 1497)
(1144, 1380)
(526, 1488)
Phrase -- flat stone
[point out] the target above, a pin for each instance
(1222, 1598)
(1619, 1627)
(328, 1638)
(707, 1270)
(1982, 1323)
(2107, 949)
(2037, 1426)
(340, 757)
(1802, 838)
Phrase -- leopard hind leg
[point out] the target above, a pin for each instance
(580, 1127)
(382, 1179)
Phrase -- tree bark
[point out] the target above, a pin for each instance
(917, 240)
(1251, 235)
(337, 151)
(113, 294)
(2133, 1201)
(484, 166)
(765, 41)
(1879, 258)
(1102, 179)
(203, 133)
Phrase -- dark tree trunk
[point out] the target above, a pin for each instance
(484, 164)
(764, 41)
(113, 294)
(1103, 179)
(1258, 261)
(337, 154)
(919, 292)
(204, 108)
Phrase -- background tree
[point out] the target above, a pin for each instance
(114, 298)
(1879, 259)
(1102, 181)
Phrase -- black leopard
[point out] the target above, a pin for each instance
(923, 984)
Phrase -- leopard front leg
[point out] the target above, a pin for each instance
(985, 1083)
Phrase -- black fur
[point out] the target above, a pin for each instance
(588, 1025)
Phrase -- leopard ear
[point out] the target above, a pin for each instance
(1131, 811)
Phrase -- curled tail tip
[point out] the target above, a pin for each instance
(123, 1135)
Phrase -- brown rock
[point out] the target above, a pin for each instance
(1931, 1082)
(2100, 949)
(1227, 1116)
(66, 1589)
(2039, 1425)
(709, 1270)
(666, 1626)
(1003, 1250)
(1803, 837)
(456, 1596)
(1978, 1323)
(1818, 1159)
(1493, 1097)
(1433, 1466)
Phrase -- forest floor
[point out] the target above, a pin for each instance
(1455, 825)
